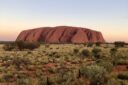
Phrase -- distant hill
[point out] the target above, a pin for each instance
(61, 34)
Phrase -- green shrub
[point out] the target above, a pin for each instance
(114, 56)
(96, 74)
(38, 73)
(8, 76)
(113, 51)
(20, 44)
(82, 82)
(85, 52)
(68, 81)
(54, 80)
(44, 60)
(2, 79)
(23, 81)
(53, 54)
(123, 76)
(124, 82)
(43, 80)
(96, 52)
(76, 51)
(52, 69)
(27, 45)
(107, 65)
(20, 61)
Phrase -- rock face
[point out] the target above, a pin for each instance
(61, 34)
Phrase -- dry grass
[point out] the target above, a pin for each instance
(53, 60)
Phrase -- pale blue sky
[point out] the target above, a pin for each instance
(108, 16)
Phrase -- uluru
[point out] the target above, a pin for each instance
(61, 34)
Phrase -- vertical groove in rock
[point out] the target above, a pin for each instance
(60, 39)
(49, 35)
(44, 34)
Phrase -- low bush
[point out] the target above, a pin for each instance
(113, 51)
(43, 80)
(123, 76)
(20, 62)
(85, 53)
(106, 64)
(96, 74)
(8, 76)
(23, 81)
(53, 80)
(39, 73)
(27, 45)
(52, 70)
(96, 52)
(76, 51)
(54, 54)
(2, 79)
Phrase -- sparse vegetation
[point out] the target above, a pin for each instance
(96, 74)
(58, 64)
(21, 45)
(9, 46)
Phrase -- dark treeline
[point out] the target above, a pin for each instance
(116, 42)
(6, 42)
